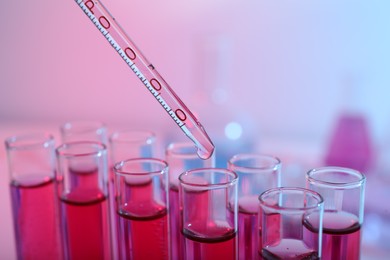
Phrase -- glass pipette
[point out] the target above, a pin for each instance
(149, 76)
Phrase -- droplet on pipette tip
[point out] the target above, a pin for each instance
(205, 154)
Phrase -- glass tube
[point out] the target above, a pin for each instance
(286, 220)
(83, 193)
(181, 157)
(343, 192)
(142, 208)
(74, 131)
(31, 163)
(208, 200)
(256, 174)
(126, 144)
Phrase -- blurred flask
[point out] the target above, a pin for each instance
(350, 143)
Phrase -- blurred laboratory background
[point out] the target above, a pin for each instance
(307, 81)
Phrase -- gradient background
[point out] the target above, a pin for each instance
(283, 71)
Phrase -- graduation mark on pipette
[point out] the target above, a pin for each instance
(148, 75)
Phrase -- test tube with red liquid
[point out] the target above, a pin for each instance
(208, 201)
(31, 162)
(142, 209)
(84, 130)
(256, 174)
(343, 192)
(181, 157)
(83, 193)
(125, 144)
(283, 229)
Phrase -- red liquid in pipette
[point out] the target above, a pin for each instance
(148, 75)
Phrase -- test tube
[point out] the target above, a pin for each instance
(142, 208)
(208, 200)
(256, 174)
(181, 157)
(132, 143)
(343, 193)
(83, 194)
(74, 131)
(31, 161)
(125, 144)
(286, 216)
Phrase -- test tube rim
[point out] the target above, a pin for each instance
(341, 185)
(208, 186)
(293, 210)
(86, 125)
(119, 165)
(190, 155)
(100, 147)
(149, 136)
(232, 162)
(17, 142)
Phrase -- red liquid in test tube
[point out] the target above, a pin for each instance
(180, 157)
(84, 213)
(341, 235)
(208, 212)
(142, 212)
(282, 230)
(247, 223)
(223, 247)
(177, 240)
(289, 249)
(35, 220)
(343, 191)
(257, 173)
(83, 191)
(216, 239)
(143, 226)
(31, 160)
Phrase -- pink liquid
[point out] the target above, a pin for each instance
(85, 219)
(177, 239)
(289, 249)
(143, 238)
(206, 235)
(341, 235)
(35, 219)
(222, 247)
(112, 212)
(271, 233)
(142, 225)
(247, 235)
